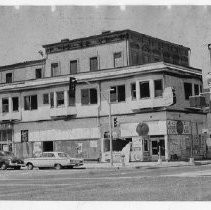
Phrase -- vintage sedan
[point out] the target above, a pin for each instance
(9, 160)
(55, 160)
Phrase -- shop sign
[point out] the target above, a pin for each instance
(178, 127)
(5, 126)
(142, 129)
(137, 142)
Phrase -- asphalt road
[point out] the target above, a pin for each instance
(189, 183)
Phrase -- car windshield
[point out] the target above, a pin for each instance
(61, 154)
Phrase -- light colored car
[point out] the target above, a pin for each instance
(55, 160)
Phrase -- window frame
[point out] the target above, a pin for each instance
(63, 99)
(16, 97)
(186, 94)
(158, 96)
(71, 61)
(196, 92)
(59, 73)
(121, 58)
(117, 97)
(89, 96)
(44, 97)
(38, 73)
(3, 105)
(133, 91)
(30, 103)
(11, 78)
(94, 57)
(140, 92)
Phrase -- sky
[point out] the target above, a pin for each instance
(24, 29)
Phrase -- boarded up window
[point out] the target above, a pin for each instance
(118, 61)
(55, 69)
(93, 64)
(73, 67)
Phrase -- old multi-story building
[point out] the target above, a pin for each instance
(145, 80)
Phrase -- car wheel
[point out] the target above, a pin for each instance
(3, 166)
(58, 166)
(30, 166)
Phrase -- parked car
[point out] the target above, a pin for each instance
(55, 160)
(8, 160)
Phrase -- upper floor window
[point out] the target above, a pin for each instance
(30, 102)
(45, 98)
(196, 89)
(133, 91)
(55, 69)
(89, 96)
(60, 98)
(188, 90)
(117, 93)
(38, 73)
(5, 105)
(158, 87)
(73, 67)
(9, 78)
(15, 104)
(93, 64)
(144, 89)
(118, 59)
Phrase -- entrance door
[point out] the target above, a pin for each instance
(156, 142)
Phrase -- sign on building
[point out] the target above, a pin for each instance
(178, 127)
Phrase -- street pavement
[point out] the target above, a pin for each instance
(147, 183)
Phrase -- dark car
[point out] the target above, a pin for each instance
(8, 160)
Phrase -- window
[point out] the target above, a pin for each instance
(188, 90)
(93, 64)
(9, 78)
(89, 96)
(117, 93)
(38, 73)
(60, 98)
(5, 135)
(133, 91)
(144, 89)
(15, 104)
(158, 85)
(146, 147)
(73, 67)
(45, 98)
(52, 99)
(30, 102)
(47, 146)
(55, 69)
(24, 135)
(5, 105)
(118, 59)
(196, 89)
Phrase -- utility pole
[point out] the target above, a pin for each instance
(110, 131)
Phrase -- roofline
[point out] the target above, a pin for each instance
(112, 33)
(22, 64)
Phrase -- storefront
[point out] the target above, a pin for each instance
(6, 143)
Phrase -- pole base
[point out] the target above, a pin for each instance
(159, 161)
(191, 161)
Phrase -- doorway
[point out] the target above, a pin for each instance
(156, 142)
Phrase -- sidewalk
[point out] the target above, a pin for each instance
(96, 165)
